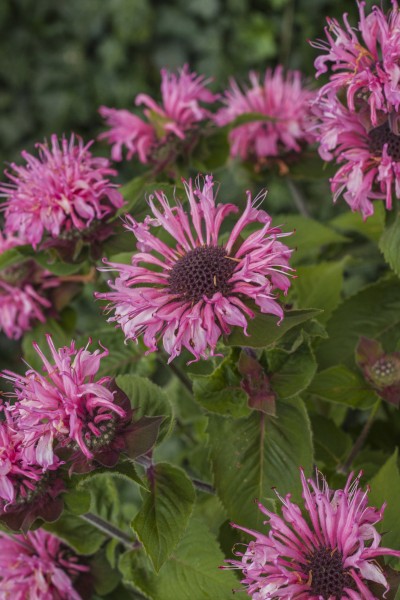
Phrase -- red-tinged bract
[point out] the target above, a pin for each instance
(190, 291)
(329, 554)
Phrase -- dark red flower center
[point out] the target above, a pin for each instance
(326, 574)
(202, 272)
(381, 135)
(107, 433)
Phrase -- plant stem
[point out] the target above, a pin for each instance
(111, 531)
(345, 467)
(297, 198)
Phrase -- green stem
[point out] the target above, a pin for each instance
(345, 467)
(297, 198)
(111, 531)
(181, 375)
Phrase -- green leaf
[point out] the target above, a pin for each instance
(320, 286)
(385, 487)
(291, 373)
(9, 258)
(133, 193)
(105, 579)
(191, 571)
(251, 456)
(37, 334)
(331, 443)
(163, 517)
(250, 117)
(264, 330)
(81, 536)
(353, 221)
(390, 244)
(76, 500)
(221, 392)
(148, 399)
(374, 313)
(339, 384)
(311, 166)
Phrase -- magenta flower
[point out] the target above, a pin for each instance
(64, 189)
(329, 555)
(176, 117)
(364, 60)
(370, 156)
(285, 104)
(65, 407)
(191, 290)
(38, 566)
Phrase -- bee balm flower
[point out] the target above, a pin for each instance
(191, 290)
(330, 554)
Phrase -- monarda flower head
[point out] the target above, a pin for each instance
(364, 61)
(328, 555)
(169, 126)
(369, 156)
(286, 106)
(192, 289)
(38, 566)
(64, 189)
(24, 291)
(66, 407)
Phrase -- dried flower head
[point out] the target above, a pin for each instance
(191, 290)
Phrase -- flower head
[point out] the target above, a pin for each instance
(364, 60)
(24, 288)
(285, 105)
(63, 189)
(381, 370)
(329, 555)
(370, 156)
(191, 290)
(38, 565)
(66, 406)
(176, 117)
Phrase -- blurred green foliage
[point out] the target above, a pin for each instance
(62, 60)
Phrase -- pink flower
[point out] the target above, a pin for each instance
(178, 114)
(285, 105)
(329, 554)
(67, 406)
(65, 188)
(365, 61)
(38, 566)
(191, 290)
(370, 155)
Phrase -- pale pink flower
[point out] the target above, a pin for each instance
(286, 106)
(364, 61)
(38, 566)
(370, 156)
(66, 406)
(329, 554)
(23, 293)
(178, 114)
(63, 189)
(191, 290)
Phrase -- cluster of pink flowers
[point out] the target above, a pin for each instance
(67, 415)
(329, 554)
(363, 132)
(194, 288)
(66, 188)
(38, 566)
(171, 128)
(24, 293)
(286, 107)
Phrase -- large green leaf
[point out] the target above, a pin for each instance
(81, 536)
(148, 399)
(339, 384)
(191, 572)
(385, 488)
(250, 456)
(163, 518)
(374, 313)
(390, 244)
(264, 331)
(350, 221)
(291, 373)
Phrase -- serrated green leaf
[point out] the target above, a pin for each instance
(81, 536)
(251, 456)
(163, 518)
(264, 331)
(353, 221)
(385, 487)
(295, 371)
(339, 384)
(191, 571)
(389, 244)
(77, 501)
(374, 313)
(148, 399)
(105, 579)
